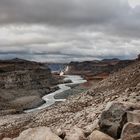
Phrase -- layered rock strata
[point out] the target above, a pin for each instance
(23, 83)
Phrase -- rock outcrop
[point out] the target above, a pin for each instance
(24, 74)
(119, 122)
(23, 83)
(114, 118)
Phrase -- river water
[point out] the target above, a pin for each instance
(49, 98)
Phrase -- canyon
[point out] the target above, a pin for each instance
(109, 110)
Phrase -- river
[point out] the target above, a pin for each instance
(49, 98)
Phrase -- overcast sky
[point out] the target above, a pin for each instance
(69, 30)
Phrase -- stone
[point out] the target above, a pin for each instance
(114, 117)
(75, 134)
(91, 127)
(59, 132)
(131, 131)
(39, 133)
(133, 116)
(97, 135)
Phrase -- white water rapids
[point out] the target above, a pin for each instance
(49, 98)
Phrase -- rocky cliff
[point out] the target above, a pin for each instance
(23, 83)
(93, 70)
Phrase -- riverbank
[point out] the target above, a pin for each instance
(64, 90)
(16, 101)
(76, 89)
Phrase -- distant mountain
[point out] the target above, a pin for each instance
(18, 60)
(111, 60)
(56, 67)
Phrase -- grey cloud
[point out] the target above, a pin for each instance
(68, 30)
(61, 12)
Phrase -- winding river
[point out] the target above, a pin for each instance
(49, 98)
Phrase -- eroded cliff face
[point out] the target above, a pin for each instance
(23, 83)
(28, 79)
(97, 70)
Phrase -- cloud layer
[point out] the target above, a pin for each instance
(75, 30)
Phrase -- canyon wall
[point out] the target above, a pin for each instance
(97, 69)
(23, 83)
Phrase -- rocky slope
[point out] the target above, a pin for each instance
(85, 110)
(22, 84)
(118, 120)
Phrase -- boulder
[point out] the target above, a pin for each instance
(131, 131)
(61, 133)
(114, 117)
(90, 128)
(39, 133)
(75, 134)
(133, 116)
(97, 135)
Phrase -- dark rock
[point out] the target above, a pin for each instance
(138, 57)
(114, 118)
